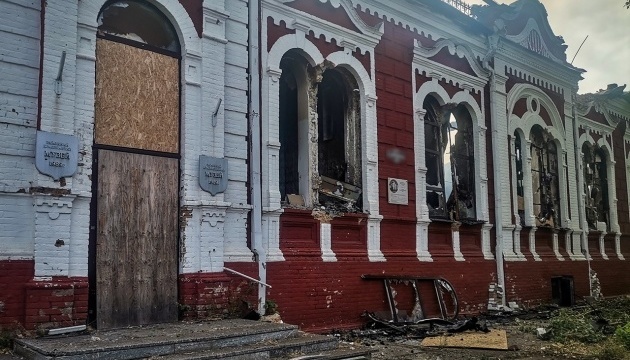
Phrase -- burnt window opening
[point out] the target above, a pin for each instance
(138, 22)
(339, 135)
(520, 189)
(288, 131)
(545, 179)
(449, 156)
(596, 187)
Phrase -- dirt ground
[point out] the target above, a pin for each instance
(522, 341)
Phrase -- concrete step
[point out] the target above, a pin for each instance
(304, 346)
(154, 340)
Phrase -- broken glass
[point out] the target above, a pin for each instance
(140, 22)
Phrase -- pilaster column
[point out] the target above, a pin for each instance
(53, 218)
(422, 210)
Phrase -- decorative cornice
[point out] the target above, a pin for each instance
(405, 14)
(460, 50)
(347, 6)
(528, 66)
(366, 40)
(439, 71)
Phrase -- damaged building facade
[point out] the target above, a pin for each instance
(313, 145)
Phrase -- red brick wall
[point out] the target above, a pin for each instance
(60, 302)
(212, 295)
(321, 296)
(14, 274)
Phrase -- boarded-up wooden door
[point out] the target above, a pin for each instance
(136, 239)
(136, 143)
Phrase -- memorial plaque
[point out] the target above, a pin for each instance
(213, 174)
(56, 155)
(397, 191)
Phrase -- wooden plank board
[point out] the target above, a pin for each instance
(137, 239)
(137, 98)
(495, 339)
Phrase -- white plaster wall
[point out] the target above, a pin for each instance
(19, 66)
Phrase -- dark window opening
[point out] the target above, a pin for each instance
(288, 131)
(545, 180)
(449, 158)
(520, 192)
(332, 102)
(138, 22)
(596, 188)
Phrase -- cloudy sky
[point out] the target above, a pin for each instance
(606, 53)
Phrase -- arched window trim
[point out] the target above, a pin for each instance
(446, 127)
(546, 178)
(596, 186)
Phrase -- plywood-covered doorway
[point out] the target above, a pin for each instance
(134, 240)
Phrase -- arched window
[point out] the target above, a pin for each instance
(596, 187)
(288, 132)
(138, 22)
(545, 179)
(449, 155)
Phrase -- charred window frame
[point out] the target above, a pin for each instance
(545, 178)
(339, 139)
(596, 187)
(449, 158)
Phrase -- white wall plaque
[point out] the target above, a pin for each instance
(56, 155)
(213, 174)
(397, 191)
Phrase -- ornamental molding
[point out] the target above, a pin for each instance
(530, 67)
(462, 51)
(406, 14)
(213, 216)
(601, 108)
(436, 70)
(346, 5)
(304, 23)
(53, 206)
(598, 128)
(530, 118)
(531, 39)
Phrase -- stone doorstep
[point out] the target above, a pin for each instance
(153, 340)
(325, 347)
(226, 339)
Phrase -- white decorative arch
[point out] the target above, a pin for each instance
(270, 109)
(527, 91)
(293, 41)
(465, 98)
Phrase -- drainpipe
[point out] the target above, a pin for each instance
(255, 149)
(493, 42)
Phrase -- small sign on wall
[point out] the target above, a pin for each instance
(56, 155)
(397, 191)
(213, 174)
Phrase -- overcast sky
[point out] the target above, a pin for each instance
(606, 53)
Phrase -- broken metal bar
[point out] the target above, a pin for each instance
(246, 277)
